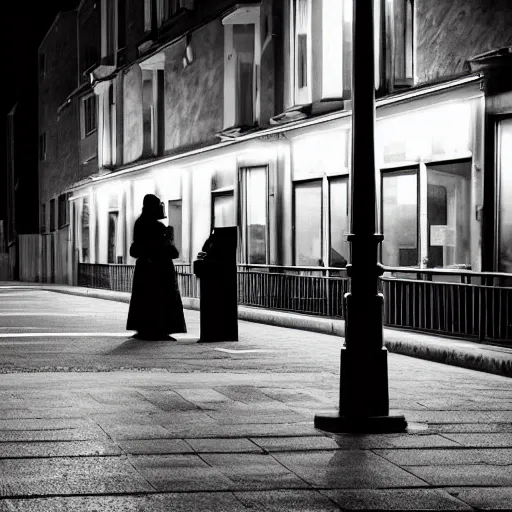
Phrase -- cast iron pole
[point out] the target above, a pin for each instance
(364, 400)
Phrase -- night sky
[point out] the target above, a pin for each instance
(24, 26)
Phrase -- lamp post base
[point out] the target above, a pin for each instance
(337, 424)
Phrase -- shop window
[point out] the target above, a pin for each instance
(448, 211)
(505, 196)
(113, 218)
(255, 215)
(400, 219)
(307, 223)
(242, 66)
(174, 216)
(338, 222)
(85, 231)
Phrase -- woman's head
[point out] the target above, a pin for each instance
(151, 205)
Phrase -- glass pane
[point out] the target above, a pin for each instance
(85, 231)
(175, 220)
(147, 110)
(223, 211)
(505, 215)
(112, 236)
(400, 219)
(243, 43)
(339, 223)
(302, 56)
(308, 223)
(448, 208)
(256, 208)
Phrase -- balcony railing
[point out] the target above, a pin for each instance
(453, 302)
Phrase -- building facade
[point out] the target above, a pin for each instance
(239, 113)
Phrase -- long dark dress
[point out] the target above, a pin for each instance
(155, 304)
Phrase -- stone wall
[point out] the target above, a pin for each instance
(451, 31)
(194, 95)
(59, 47)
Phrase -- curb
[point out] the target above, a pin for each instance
(453, 351)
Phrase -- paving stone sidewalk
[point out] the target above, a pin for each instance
(235, 433)
(155, 441)
(458, 352)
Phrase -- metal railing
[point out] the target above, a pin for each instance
(440, 301)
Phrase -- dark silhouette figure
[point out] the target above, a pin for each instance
(156, 309)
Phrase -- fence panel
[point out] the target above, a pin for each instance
(469, 304)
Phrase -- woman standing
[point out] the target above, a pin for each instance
(155, 306)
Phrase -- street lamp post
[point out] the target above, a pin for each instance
(364, 399)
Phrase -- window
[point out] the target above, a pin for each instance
(448, 209)
(403, 51)
(223, 209)
(400, 247)
(121, 24)
(324, 32)
(174, 215)
(85, 231)
(505, 196)
(42, 66)
(339, 225)
(42, 147)
(242, 67)
(254, 215)
(63, 210)
(88, 115)
(112, 236)
(109, 31)
(302, 40)
(307, 223)
(149, 15)
(223, 199)
(52, 215)
(152, 122)
(170, 8)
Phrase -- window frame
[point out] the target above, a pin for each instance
(63, 206)
(243, 16)
(43, 218)
(85, 257)
(223, 192)
(180, 245)
(419, 207)
(345, 179)
(300, 182)
(318, 41)
(52, 215)
(113, 213)
(404, 43)
(93, 113)
(242, 212)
